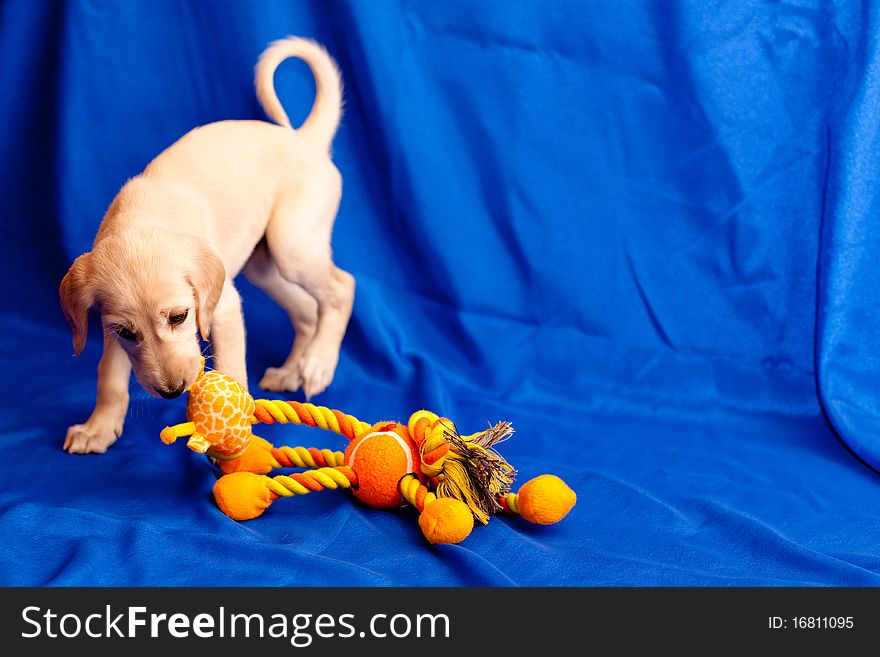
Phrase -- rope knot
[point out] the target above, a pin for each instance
(465, 468)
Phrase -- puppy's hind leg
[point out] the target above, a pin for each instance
(301, 308)
(333, 289)
(298, 237)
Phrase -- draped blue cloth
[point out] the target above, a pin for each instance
(645, 233)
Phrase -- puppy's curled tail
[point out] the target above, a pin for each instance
(323, 120)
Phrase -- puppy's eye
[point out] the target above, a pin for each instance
(125, 333)
(178, 318)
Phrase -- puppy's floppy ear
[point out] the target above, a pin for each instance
(77, 296)
(206, 277)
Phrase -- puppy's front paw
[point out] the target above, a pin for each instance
(317, 370)
(279, 379)
(90, 438)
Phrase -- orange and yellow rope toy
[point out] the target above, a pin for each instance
(450, 479)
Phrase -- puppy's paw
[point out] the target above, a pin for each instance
(317, 370)
(90, 438)
(279, 379)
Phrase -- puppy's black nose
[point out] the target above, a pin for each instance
(168, 393)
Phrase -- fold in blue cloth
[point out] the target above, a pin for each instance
(644, 234)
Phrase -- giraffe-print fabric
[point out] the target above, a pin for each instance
(221, 411)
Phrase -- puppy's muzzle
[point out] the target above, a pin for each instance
(169, 393)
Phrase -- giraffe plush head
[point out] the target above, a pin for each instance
(220, 413)
(221, 410)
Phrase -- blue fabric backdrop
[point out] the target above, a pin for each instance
(645, 233)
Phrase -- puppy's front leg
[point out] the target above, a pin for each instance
(105, 423)
(228, 336)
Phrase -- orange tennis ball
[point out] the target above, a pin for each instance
(546, 499)
(380, 459)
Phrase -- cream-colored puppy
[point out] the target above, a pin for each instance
(226, 197)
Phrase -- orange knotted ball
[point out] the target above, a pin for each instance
(380, 458)
(545, 500)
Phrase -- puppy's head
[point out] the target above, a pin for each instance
(156, 293)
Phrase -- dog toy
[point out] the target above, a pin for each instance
(450, 479)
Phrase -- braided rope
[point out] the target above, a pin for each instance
(301, 457)
(271, 411)
(429, 431)
(303, 483)
(414, 492)
(510, 503)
